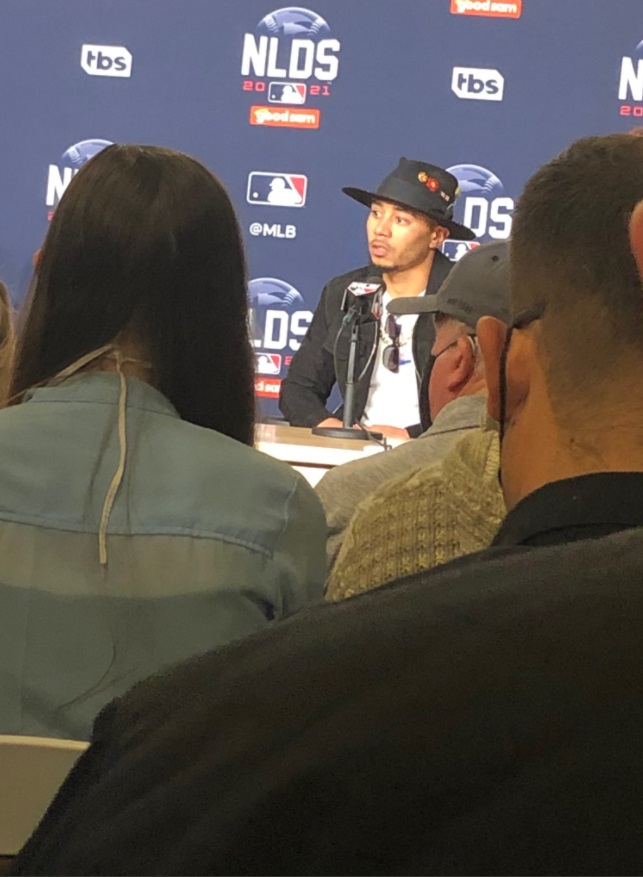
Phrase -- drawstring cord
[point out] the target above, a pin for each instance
(108, 350)
(118, 475)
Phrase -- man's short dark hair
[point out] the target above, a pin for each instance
(570, 251)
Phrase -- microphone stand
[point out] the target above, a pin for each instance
(347, 430)
(349, 396)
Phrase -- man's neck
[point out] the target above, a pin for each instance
(411, 281)
(555, 454)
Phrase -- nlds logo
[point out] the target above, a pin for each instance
(279, 317)
(72, 159)
(482, 205)
(630, 86)
(291, 46)
(279, 320)
(477, 83)
(106, 60)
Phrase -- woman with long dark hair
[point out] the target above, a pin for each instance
(138, 526)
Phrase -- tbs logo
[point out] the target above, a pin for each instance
(290, 43)
(72, 160)
(630, 87)
(278, 315)
(477, 83)
(482, 205)
(106, 60)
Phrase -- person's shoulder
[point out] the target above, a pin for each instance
(413, 494)
(350, 474)
(416, 480)
(216, 470)
(206, 449)
(374, 469)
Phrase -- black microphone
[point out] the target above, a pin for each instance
(417, 304)
(363, 297)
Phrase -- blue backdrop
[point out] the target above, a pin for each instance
(287, 105)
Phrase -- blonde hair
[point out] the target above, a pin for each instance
(7, 343)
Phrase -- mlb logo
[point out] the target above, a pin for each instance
(455, 250)
(276, 190)
(286, 92)
(268, 363)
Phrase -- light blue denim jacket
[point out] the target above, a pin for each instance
(207, 541)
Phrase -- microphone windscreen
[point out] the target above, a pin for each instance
(367, 287)
(417, 304)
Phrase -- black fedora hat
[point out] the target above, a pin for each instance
(423, 187)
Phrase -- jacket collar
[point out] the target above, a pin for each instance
(588, 505)
(439, 270)
(437, 275)
(99, 387)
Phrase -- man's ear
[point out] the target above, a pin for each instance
(491, 334)
(463, 365)
(440, 234)
(636, 235)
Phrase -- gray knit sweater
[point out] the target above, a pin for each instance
(423, 518)
(343, 488)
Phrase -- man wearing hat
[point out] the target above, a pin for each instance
(452, 401)
(411, 214)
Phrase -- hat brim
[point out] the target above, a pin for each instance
(456, 231)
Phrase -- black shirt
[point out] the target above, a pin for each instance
(585, 507)
(481, 718)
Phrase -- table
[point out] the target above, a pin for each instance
(313, 455)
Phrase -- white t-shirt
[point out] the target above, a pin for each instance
(393, 397)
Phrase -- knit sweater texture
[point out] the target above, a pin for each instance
(423, 518)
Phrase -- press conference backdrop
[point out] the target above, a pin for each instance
(289, 104)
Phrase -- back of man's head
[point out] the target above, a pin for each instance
(571, 253)
(565, 382)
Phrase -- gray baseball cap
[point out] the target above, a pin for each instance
(477, 286)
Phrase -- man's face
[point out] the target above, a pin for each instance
(398, 239)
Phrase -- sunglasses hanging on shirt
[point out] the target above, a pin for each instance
(391, 353)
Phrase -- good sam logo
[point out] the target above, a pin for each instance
(290, 59)
(286, 118)
(493, 8)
